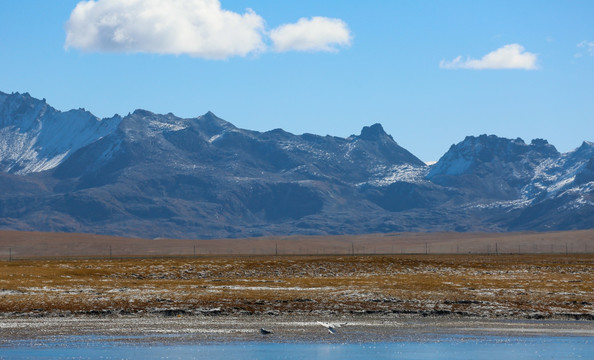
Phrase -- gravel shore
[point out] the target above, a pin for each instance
(285, 328)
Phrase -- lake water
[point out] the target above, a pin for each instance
(433, 347)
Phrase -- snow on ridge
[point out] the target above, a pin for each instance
(384, 176)
(505, 204)
(553, 176)
(214, 138)
(450, 165)
(580, 197)
(158, 126)
(35, 137)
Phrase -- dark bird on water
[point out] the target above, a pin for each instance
(265, 332)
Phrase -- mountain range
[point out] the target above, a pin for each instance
(150, 175)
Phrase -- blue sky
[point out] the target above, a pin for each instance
(431, 72)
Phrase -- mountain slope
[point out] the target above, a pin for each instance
(152, 175)
(535, 185)
(35, 137)
(494, 167)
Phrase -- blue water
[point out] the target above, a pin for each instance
(450, 347)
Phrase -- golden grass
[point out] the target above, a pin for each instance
(504, 285)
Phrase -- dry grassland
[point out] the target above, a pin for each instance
(25, 245)
(514, 286)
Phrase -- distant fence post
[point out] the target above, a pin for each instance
(9, 254)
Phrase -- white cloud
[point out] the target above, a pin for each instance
(512, 56)
(588, 46)
(315, 34)
(199, 28)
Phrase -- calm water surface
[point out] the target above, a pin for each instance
(442, 347)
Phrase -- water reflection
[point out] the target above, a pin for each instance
(444, 347)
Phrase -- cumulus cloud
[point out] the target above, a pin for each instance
(315, 34)
(512, 56)
(199, 28)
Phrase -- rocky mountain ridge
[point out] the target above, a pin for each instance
(151, 175)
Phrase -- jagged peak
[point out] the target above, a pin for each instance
(539, 142)
(21, 97)
(373, 133)
(484, 142)
(586, 145)
(24, 96)
(585, 150)
(485, 139)
(543, 146)
(143, 113)
(474, 150)
(211, 119)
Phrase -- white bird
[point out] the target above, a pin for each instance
(331, 327)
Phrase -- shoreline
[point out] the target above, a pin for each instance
(285, 329)
(220, 313)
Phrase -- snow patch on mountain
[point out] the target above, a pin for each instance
(553, 176)
(506, 204)
(457, 160)
(18, 153)
(214, 138)
(387, 175)
(35, 137)
(158, 127)
(583, 196)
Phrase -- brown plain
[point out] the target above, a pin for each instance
(473, 275)
(23, 245)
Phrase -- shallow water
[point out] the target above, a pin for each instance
(432, 347)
